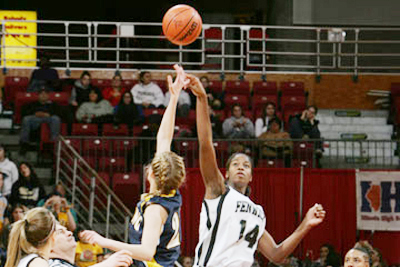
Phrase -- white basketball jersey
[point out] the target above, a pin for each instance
(230, 227)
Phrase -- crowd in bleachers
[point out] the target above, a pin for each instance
(60, 106)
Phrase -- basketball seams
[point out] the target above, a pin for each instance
(172, 19)
(191, 18)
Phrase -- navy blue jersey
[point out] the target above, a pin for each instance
(168, 249)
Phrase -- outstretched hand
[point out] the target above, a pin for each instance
(196, 86)
(315, 215)
(91, 237)
(121, 258)
(180, 81)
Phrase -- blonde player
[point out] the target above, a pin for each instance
(232, 227)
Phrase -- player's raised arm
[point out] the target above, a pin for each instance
(213, 179)
(277, 253)
(167, 126)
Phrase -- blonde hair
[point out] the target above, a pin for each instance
(30, 234)
(169, 171)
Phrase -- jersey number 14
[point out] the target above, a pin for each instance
(251, 236)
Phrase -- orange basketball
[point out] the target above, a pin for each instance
(182, 24)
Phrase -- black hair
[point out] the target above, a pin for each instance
(276, 120)
(236, 105)
(228, 164)
(33, 177)
(366, 251)
(121, 101)
(314, 107)
(85, 73)
(98, 93)
(264, 112)
(142, 73)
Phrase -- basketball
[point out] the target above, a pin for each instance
(182, 24)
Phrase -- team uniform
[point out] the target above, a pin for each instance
(230, 228)
(168, 248)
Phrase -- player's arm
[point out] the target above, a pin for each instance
(167, 126)
(213, 179)
(154, 217)
(277, 253)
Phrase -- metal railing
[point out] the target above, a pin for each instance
(127, 154)
(96, 205)
(221, 48)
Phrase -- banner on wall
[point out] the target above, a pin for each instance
(19, 38)
(378, 201)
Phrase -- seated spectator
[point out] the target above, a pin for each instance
(44, 77)
(27, 190)
(87, 254)
(36, 113)
(238, 126)
(216, 100)
(3, 200)
(10, 169)
(113, 94)
(184, 103)
(80, 91)
(63, 252)
(96, 110)
(328, 257)
(305, 126)
(277, 144)
(128, 112)
(146, 93)
(14, 213)
(61, 210)
(268, 112)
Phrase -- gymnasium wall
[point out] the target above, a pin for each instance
(334, 91)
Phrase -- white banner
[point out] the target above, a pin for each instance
(378, 200)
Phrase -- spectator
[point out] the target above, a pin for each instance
(63, 252)
(15, 213)
(96, 110)
(216, 100)
(184, 103)
(276, 144)
(80, 91)
(305, 127)
(44, 77)
(146, 93)
(128, 112)
(238, 126)
(87, 254)
(3, 201)
(113, 94)
(10, 169)
(36, 113)
(328, 257)
(268, 112)
(27, 190)
(61, 211)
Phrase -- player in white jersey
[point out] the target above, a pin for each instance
(232, 227)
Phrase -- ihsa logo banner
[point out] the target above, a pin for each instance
(378, 201)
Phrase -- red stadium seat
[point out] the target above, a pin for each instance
(101, 83)
(149, 111)
(293, 102)
(115, 130)
(242, 100)
(85, 129)
(270, 163)
(22, 99)
(96, 147)
(215, 86)
(121, 147)
(112, 164)
(188, 150)
(292, 88)
(237, 87)
(128, 84)
(265, 88)
(76, 144)
(127, 187)
(45, 135)
(13, 85)
(61, 98)
(260, 101)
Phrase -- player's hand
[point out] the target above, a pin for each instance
(180, 81)
(315, 215)
(196, 86)
(92, 237)
(121, 258)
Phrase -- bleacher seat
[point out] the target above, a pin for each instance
(261, 100)
(101, 83)
(237, 87)
(45, 135)
(188, 150)
(292, 88)
(190, 120)
(128, 84)
(12, 86)
(85, 129)
(293, 102)
(270, 163)
(127, 187)
(149, 111)
(265, 88)
(215, 86)
(122, 147)
(231, 99)
(96, 147)
(112, 164)
(115, 130)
